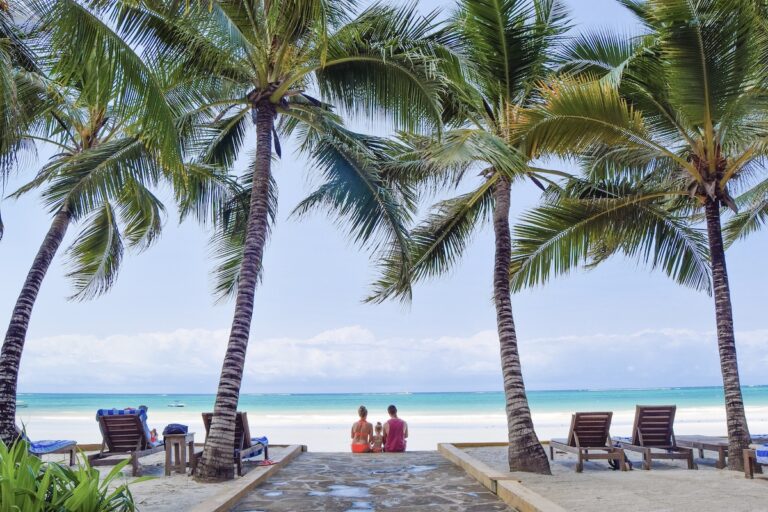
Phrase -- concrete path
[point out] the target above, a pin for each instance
(336, 482)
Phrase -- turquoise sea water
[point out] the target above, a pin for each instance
(423, 403)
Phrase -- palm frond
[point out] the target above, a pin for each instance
(95, 255)
(383, 62)
(752, 216)
(357, 191)
(228, 240)
(109, 72)
(558, 237)
(437, 243)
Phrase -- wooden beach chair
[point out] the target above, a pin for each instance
(590, 432)
(654, 437)
(716, 444)
(124, 432)
(245, 445)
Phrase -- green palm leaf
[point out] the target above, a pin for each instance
(437, 243)
(557, 237)
(96, 254)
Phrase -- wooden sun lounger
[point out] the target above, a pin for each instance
(70, 448)
(653, 430)
(710, 443)
(714, 444)
(243, 447)
(123, 435)
(590, 432)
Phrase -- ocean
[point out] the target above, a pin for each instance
(322, 421)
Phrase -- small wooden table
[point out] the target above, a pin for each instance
(178, 444)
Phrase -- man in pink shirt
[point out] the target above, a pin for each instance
(395, 432)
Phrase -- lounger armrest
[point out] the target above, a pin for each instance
(252, 450)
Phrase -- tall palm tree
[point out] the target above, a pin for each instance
(683, 107)
(262, 62)
(504, 49)
(115, 137)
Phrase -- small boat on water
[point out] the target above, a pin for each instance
(176, 403)
(21, 403)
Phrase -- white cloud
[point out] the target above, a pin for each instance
(353, 358)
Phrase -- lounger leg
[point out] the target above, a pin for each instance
(135, 464)
(72, 457)
(691, 463)
(551, 452)
(266, 452)
(623, 460)
(749, 471)
(701, 453)
(720, 458)
(580, 464)
(647, 460)
(239, 466)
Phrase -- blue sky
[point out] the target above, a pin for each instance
(311, 332)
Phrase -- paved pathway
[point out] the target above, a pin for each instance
(336, 482)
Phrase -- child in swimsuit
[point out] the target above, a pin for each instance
(377, 440)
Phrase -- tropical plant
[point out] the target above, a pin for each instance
(27, 484)
(258, 61)
(683, 107)
(504, 49)
(115, 134)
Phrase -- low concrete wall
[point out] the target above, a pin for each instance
(504, 485)
(225, 500)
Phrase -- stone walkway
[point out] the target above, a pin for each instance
(336, 482)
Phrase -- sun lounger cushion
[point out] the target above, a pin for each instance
(49, 446)
(762, 454)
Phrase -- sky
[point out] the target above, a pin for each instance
(160, 330)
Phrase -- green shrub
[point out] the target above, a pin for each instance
(27, 484)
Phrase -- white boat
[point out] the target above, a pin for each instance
(176, 403)
(21, 403)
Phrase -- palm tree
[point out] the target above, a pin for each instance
(682, 108)
(105, 113)
(504, 50)
(258, 61)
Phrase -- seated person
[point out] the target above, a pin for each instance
(362, 432)
(377, 440)
(395, 432)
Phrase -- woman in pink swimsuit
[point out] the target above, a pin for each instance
(395, 432)
(362, 432)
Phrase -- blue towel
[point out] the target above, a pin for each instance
(762, 454)
(48, 446)
(263, 441)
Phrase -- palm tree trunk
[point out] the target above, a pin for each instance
(10, 355)
(217, 462)
(525, 450)
(738, 432)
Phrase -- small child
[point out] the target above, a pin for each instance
(377, 439)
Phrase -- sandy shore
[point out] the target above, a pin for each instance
(667, 487)
(330, 433)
